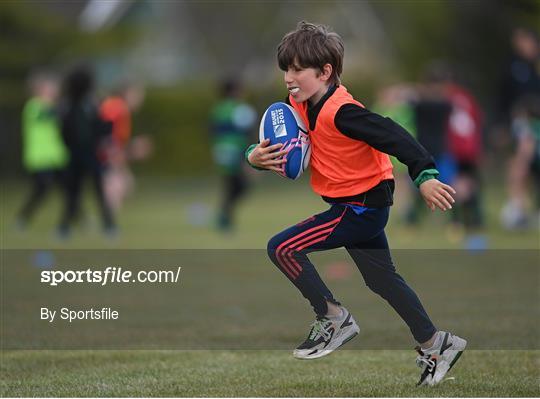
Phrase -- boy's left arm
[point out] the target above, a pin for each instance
(387, 136)
(436, 194)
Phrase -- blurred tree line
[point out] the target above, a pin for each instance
(472, 35)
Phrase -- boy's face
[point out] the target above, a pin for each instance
(307, 84)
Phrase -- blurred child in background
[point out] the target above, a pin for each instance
(464, 140)
(432, 110)
(121, 147)
(44, 153)
(521, 76)
(524, 166)
(83, 131)
(231, 121)
(396, 102)
(519, 105)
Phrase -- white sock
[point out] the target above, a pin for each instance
(437, 342)
(338, 317)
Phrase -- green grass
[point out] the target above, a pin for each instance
(492, 299)
(261, 373)
(160, 215)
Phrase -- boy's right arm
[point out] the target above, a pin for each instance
(263, 156)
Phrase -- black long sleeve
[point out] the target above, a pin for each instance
(384, 135)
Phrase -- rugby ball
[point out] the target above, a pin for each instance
(282, 124)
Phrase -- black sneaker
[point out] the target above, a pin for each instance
(326, 335)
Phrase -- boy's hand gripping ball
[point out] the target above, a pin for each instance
(282, 124)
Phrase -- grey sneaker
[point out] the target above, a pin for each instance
(326, 335)
(437, 361)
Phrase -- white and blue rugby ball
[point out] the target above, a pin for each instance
(282, 124)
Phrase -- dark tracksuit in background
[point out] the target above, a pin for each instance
(83, 131)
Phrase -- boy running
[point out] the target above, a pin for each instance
(352, 172)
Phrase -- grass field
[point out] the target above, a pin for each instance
(175, 213)
(265, 315)
(260, 373)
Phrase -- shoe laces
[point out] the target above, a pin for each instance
(319, 328)
(425, 360)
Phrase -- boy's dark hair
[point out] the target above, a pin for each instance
(312, 46)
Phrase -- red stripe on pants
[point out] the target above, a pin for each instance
(287, 267)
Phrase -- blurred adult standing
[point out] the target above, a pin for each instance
(230, 122)
(44, 154)
(83, 131)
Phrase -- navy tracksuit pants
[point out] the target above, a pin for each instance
(361, 231)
